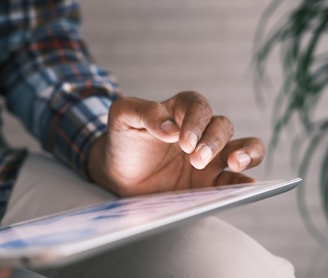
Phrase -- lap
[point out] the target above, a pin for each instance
(206, 247)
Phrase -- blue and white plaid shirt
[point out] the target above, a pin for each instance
(50, 82)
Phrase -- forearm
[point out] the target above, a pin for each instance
(53, 86)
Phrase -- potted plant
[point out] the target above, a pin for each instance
(300, 36)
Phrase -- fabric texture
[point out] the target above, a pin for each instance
(51, 83)
(10, 163)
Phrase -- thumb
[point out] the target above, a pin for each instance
(135, 113)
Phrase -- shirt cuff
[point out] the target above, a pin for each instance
(75, 131)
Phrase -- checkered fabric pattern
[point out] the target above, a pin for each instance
(51, 83)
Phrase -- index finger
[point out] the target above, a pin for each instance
(192, 113)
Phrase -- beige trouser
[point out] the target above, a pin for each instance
(202, 248)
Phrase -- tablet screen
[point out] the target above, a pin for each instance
(113, 217)
(109, 222)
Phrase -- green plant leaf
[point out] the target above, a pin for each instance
(324, 183)
(305, 213)
(305, 79)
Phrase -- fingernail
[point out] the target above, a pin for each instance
(205, 154)
(243, 160)
(192, 138)
(169, 127)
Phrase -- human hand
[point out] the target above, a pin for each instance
(175, 144)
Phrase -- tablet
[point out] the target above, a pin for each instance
(67, 237)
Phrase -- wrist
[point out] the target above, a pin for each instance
(96, 163)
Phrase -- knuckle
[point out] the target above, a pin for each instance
(196, 101)
(228, 126)
(149, 109)
(189, 94)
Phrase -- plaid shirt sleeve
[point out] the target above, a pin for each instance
(49, 79)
